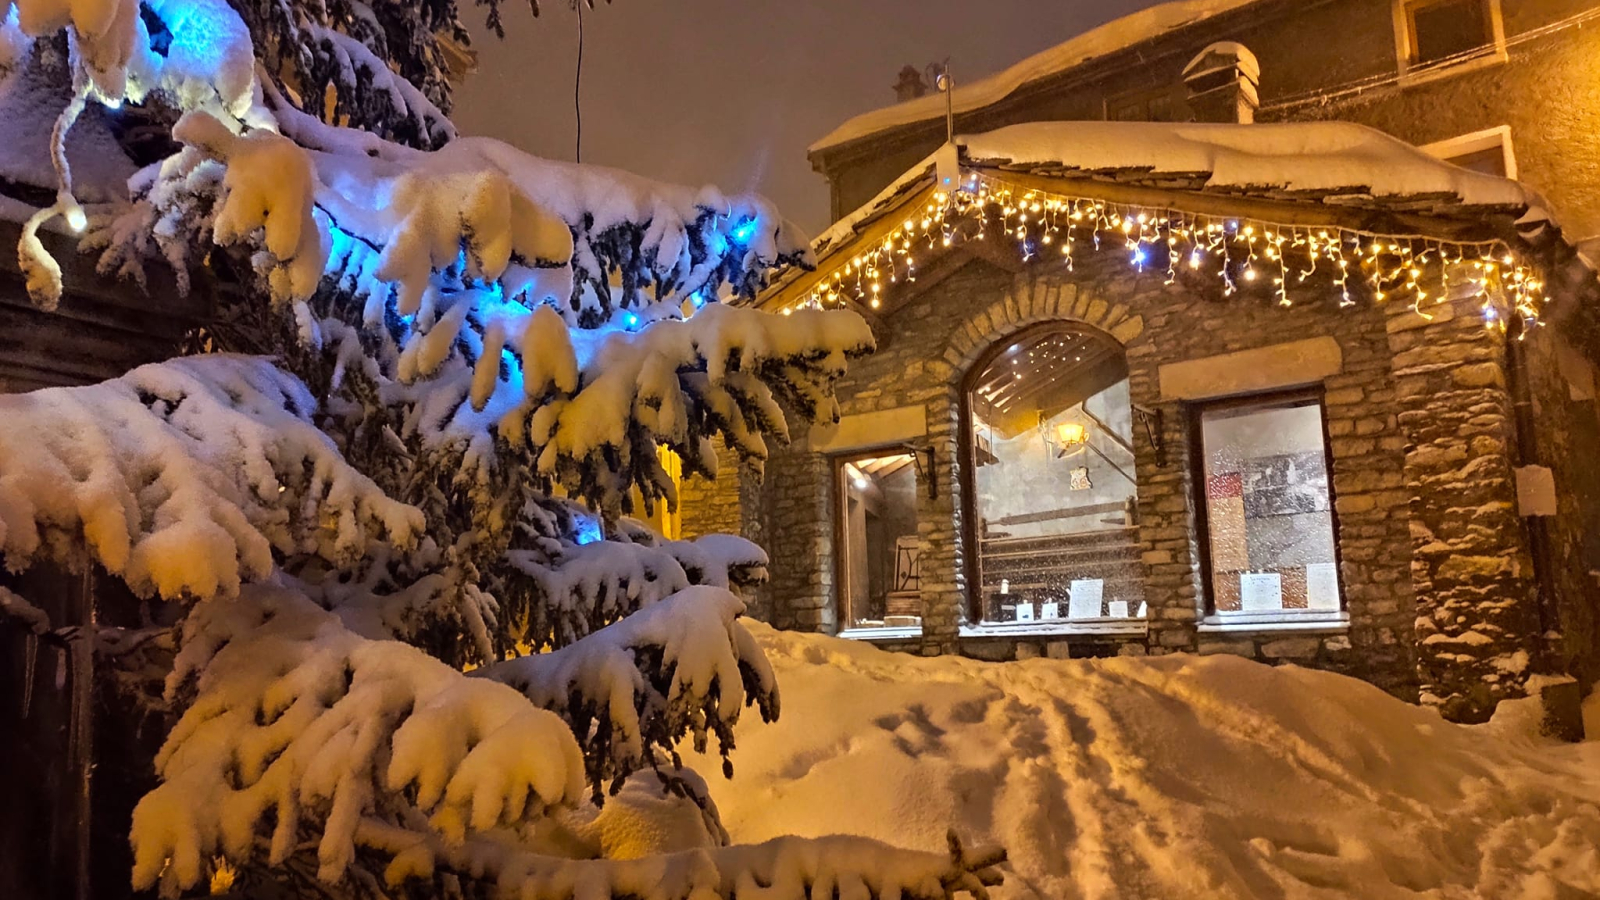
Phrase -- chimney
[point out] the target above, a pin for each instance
(910, 86)
(1222, 82)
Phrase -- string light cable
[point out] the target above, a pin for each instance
(1326, 95)
(1414, 267)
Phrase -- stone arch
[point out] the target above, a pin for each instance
(1031, 301)
(947, 560)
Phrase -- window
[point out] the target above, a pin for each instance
(1268, 539)
(1488, 151)
(878, 574)
(1438, 34)
(1146, 106)
(1051, 481)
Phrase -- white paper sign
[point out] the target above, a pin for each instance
(1051, 610)
(1260, 591)
(1084, 603)
(1322, 586)
(1025, 612)
(1118, 609)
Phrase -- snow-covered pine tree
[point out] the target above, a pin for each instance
(437, 385)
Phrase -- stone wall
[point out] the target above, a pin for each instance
(1477, 602)
(1561, 395)
(1442, 593)
(933, 342)
(728, 504)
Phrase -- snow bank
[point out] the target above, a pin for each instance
(1184, 777)
(1109, 38)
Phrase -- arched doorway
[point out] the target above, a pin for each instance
(1050, 484)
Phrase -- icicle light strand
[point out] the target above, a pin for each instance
(1169, 240)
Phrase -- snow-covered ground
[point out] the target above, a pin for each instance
(1165, 778)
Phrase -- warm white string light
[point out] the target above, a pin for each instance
(1036, 221)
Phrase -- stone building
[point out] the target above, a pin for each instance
(1505, 87)
(1271, 390)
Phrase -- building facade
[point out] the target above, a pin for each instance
(1289, 422)
(1507, 87)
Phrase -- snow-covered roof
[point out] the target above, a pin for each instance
(1109, 38)
(1337, 164)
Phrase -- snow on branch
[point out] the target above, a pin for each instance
(598, 403)
(183, 478)
(682, 666)
(843, 867)
(368, 91)
(294, 721)
(295, 728)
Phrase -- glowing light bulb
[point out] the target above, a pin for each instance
(76, 220)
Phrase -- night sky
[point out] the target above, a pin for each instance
(733, 91)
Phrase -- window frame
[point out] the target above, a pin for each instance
(1453, 148)
(967, 484)
(843, 626)
(1278, 398)
(1405, 43)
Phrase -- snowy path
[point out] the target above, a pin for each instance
(1171, 778)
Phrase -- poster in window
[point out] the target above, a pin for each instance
(1259, 591)
(1285, 485)
(1085, 601)
(1322, 586)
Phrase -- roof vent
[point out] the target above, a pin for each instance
(1222, 82)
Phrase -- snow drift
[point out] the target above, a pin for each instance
(1169, 777)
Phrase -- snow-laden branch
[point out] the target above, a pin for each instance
(828, 868)
(681, 667)
(293, 719)
(368, 91)
(183, 478)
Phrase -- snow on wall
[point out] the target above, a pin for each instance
(1119, 34)
(183, 477)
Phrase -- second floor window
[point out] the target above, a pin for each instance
(1442, 30)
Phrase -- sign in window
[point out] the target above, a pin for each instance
(1268, 508)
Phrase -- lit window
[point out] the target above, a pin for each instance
(1268, 513)
(1440, 33)
(1052, 481)
(879, 571)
